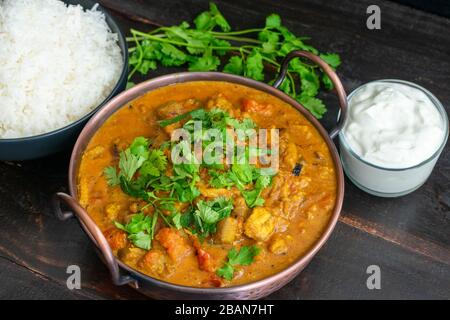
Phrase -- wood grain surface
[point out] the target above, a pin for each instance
(407, 237)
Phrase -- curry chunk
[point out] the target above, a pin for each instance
(278, 245)
(170, 110)
(112, 210)
(219, 101)
(227, 230)
(260, 225)
(83, 190)
(95, 152)
(240, 208)
(130, 255)
(175, 244)
(117, 239)
(153, 262)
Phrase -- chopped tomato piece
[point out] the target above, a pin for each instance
(204, 260)
(175, 244)
(250, 105)
(117, 239)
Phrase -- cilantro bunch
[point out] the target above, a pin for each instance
(211, 45)
(249, 179)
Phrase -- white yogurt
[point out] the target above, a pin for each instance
(392, 126)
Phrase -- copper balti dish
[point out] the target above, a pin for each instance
(124, 274)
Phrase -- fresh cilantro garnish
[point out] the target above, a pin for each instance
(140, 230)
(246, 177)
(203, 220)
(234, 66)
(243, 257)
(112, 178)
(137, 157)
(200, 46)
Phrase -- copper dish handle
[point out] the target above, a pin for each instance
(94, 233)
(339, 88)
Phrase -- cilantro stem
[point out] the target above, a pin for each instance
(141, 54)
(291, 79)
(239, 39)
(234, 33)
(178, 43)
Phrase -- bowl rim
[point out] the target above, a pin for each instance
(112, 24)
(137, 91)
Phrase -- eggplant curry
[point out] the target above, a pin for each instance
(200, 224)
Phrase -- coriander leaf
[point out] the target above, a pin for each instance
(222, 44)
(252, 198)
(332, 59)
(327, 83)
(171, 55)
(244, 172)
(219, 18)
(226, 272)
(176, 220)
(309, 79)
(209, 213)
(219, 180)
(155, 164)
(314, 105)
(269, 48)
(151, 50)
(245, 124)
(254, 67)
(309, 82)
(149, 169)
(158, 158)
(207, 62)
(187, 219)
(140, 230)
(203, 21)
(129, 164)
(209, 19)
(286, 86)
(111, 176)
(141, 240)
(134, 189)
(243, 257)
(267, 36)
(287, 35)
(146, 66)
(273, 21)
(139, 147)
(206, 213)
(234, 66)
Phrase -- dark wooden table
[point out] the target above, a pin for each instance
(407, 237)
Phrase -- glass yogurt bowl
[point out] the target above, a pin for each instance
(384, 181)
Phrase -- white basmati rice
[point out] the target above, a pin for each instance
(57, 63)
